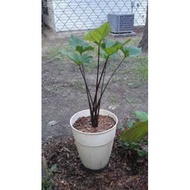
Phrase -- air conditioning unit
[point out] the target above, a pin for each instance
(121, 23)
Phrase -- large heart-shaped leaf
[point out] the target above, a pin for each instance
(85, 58)
(107, 43)
(114, 48)
(111, 47)
(131, 51)
(136, 132)
(142, 116)
(98, 34)
(77, 57)
(79, 45)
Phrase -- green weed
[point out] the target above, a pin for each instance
(138, 71)
(134, 137)
(46, 179)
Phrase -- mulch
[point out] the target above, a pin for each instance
(122, 171)
(84, 124)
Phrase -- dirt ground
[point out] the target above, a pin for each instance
(63, 94)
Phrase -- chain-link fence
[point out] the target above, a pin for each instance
(60, 18)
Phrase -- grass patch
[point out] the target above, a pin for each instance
(136, 71)
(142, 69)
(134, 39)
(52, 53)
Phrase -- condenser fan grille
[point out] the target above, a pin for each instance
(121, 23)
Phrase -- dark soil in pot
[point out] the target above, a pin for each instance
(84, 124)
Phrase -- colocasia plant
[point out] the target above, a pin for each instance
(103, 49)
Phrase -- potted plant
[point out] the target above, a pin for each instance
(94, 129)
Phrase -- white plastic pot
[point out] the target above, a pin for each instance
(94, 148)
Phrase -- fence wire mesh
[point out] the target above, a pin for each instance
(61, 18)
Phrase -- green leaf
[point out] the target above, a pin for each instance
(114, 48)
(111, 47)
(114, 56)
(79, 45)
(135, 133)
(63, 52)
(103, 54)
(131, 51)
(107, 43)
(130, 124)
(53, 168)
(85, 58)
(98, 34)
(77, 57)
(125, 52)
(142, 116)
